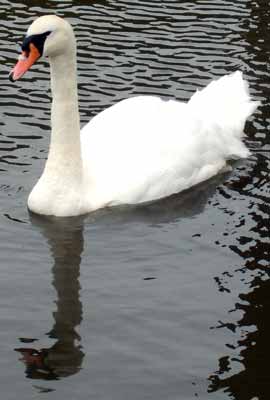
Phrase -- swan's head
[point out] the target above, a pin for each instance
(49, 36)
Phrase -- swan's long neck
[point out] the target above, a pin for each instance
(65, 148)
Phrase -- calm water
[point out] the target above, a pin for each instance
(169, 301)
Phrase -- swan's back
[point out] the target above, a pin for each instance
(145, 148)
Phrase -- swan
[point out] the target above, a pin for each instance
(138, 150)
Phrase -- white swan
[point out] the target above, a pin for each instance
(138, 150)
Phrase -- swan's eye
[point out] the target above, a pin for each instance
(38, 40)
(25, 45)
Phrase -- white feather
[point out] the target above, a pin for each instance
(145, 148)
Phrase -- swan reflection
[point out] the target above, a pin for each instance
(65, 357)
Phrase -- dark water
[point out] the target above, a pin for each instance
(169, 301)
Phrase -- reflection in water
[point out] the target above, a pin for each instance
(185, 204)
(65, 239)
(64, 358)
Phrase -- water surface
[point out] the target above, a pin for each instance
(168, 301)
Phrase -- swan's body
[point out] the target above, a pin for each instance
(138, 150)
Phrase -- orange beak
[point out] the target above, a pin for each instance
(24, 63)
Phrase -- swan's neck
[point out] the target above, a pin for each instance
(65, 148)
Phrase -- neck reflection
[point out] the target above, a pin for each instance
(65, 357)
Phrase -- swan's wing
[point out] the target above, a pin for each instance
(145, 148)
(140, 149)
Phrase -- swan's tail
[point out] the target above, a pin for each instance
(223, 108)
